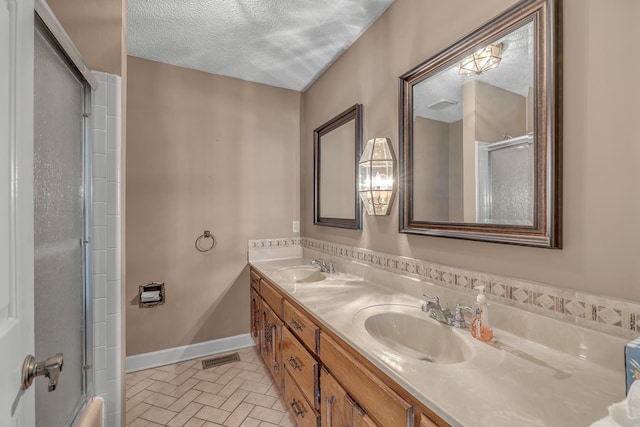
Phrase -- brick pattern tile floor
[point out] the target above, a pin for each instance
(238, 394)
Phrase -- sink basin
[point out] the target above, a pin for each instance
(301, 274)
(407, 331)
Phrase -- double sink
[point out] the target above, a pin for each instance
(538, 371)
(403, 330)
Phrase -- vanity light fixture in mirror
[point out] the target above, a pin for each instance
(376, 184)
(337, 147)
(480, 129)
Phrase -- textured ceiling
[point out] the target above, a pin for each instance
(284, 43)
(514, 74)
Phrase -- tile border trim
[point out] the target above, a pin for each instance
(288, 242)
(601, 313)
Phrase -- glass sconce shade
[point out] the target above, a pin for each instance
(375, 176)
(481, 61)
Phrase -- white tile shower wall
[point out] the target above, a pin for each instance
(596, 312)
(106, 119)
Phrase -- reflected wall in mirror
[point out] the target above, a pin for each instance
(337, 148)
(480, 134)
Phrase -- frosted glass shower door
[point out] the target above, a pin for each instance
(505, 183)
(59, 231)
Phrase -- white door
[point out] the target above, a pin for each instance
(16, 209)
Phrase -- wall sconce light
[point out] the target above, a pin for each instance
(481, 61)
(375, 176)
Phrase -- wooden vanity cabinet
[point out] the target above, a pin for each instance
(326, 382)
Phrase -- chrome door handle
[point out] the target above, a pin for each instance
(50, 368)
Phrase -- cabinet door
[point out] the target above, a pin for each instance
(332, 402)
(426, 422)
(256, 324)
(271, 343)
(338, 408)
(372, 394)
(360, 418)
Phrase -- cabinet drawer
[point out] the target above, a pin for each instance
(301, 365)
(301, 325)
(255, 280)
(375, 397)
(305, 414)
(271, 296)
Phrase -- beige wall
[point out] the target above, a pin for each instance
(431, 170)
(601, 144)
(97, 29)
(456, 172)
(204, 152)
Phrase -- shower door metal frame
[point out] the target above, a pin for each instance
(52, 30)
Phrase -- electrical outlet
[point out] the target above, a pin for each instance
(296, 226)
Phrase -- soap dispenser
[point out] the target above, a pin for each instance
(480, 328)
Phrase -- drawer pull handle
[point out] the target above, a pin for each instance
(295, 405)
(296, 325)
(294, 363)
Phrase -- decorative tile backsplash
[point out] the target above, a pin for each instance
(591, 311)
(275, 243)
(261, 250)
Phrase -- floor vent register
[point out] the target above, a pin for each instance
(220, 360)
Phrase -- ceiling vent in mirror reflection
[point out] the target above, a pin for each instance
(441, 104)
(375, 176)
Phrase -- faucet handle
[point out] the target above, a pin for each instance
(432, 298)
(458, 318)
(432, 302)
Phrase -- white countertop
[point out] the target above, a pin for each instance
(512, 382)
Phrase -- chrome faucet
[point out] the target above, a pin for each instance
(324, 266)
(443, 314)
(435, 311)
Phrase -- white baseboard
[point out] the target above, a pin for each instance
(186, 352)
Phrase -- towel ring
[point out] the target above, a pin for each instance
(206, 235)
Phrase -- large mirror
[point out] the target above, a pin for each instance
(337, 148)
(480, 134)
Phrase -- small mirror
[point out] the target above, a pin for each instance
(337, 148)
(480, 134)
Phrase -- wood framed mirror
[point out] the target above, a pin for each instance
(337, 147)
(480, 133)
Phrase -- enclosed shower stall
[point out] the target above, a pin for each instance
(62, 213)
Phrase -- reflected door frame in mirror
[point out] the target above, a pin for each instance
(335, 199)
(545, 230)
